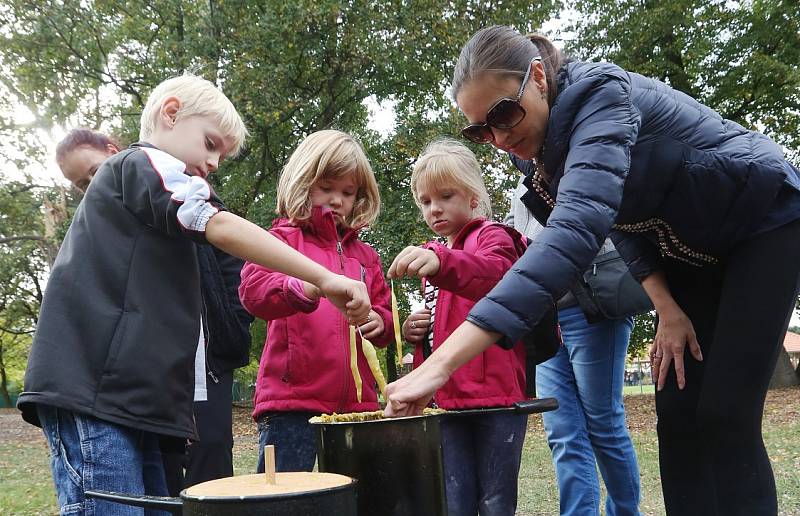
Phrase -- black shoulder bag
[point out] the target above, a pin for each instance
(607, 290)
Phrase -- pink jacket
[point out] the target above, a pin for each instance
(305, 364)
(482, 253)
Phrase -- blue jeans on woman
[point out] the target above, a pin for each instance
(89, 454)
(586, 377)
(481, 463)
(294, 438)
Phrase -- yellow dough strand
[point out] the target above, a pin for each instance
(374, 364)
(354, 363)
(398, 356)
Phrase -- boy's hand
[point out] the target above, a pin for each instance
(372, 326)
(311, 291)
(349, 296)
(414, 262)
(416, 326)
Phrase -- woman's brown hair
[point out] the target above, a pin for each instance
(502, 50)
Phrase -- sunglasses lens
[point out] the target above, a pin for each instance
(477, 133)
(505, 115)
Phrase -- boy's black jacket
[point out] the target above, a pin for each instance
(120, 319)
(227, 322)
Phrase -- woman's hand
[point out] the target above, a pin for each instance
(349, 296)
(412, 393)
(409, 395)
(416, 326)
(673, 332)
(414, 262)
(372, 326)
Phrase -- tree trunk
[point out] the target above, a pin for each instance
(55, 213)
(391, 364)
(784, 375)
(4, 381)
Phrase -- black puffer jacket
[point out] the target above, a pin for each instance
(227, 324)
(628, 156)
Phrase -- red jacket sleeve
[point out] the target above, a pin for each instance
(266, 293)
(473, 274)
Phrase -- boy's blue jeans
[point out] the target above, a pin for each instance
(87, 454)
(586, 376)
(481, 463)
(294, 438)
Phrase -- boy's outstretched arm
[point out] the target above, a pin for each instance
(242, 238)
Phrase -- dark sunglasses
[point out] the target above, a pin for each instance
(506, 113)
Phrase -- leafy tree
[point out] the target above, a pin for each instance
(290, 67)
(739, 58)
(27, 245)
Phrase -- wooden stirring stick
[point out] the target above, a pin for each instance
(269, 463)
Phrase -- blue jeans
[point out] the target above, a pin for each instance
(294, 438)
(481, 463)
(88, 454)
(586, 377)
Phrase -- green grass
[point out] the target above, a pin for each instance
(25, 483)
(629, 390)
(26, 487)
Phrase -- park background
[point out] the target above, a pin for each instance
(377, 69)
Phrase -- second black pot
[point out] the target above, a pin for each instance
(338, 500)
(398, 462)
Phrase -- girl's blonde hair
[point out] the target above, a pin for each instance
(327, 154)
(198, 97)
(448, 163)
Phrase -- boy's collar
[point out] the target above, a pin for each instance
(142, 144)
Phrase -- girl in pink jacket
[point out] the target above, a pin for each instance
(326, 194)
(481, 453)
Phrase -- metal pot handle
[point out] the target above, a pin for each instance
(535, 406)
(166, 503)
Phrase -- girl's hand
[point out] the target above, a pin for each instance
(416, 326)
(349, 296)
(414, 262)
(673, 332)
(373, 326)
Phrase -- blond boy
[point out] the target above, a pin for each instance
(111, 367)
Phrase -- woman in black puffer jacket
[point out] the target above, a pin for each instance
(705, 213)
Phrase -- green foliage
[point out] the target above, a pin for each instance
(23, 262)
(740, 58)
(290, 68)
(643, 334)
(294, 68)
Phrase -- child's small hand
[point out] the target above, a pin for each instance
(349, 296)
(373, 326)
(416, 326)
(414, 262)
